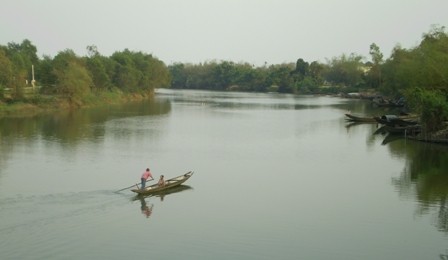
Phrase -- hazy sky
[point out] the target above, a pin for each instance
(254, 31)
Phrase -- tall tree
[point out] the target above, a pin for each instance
(302, 68)
(73, 81)
(178, 75)
(345, 70)
(280, 76)
(375, 71)
(6, 71)
(95, 63)
(45, 74)
(315, 70)
(23, 56)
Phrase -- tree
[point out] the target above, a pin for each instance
(223, 75)
(137, 72)
(126, 77)
(178, 75)
(92, 51)
(424, 66)
(95, 64)
(73, 81)
(23, 56)
(345, 70)
(374, 73)
(302, 68)
(6, 71)
(433, 53)
(432, 105)
(155, 73)
(315, 71)
(280, 75)
(45, 74)
(377, 56)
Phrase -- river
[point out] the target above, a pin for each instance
(276, 176)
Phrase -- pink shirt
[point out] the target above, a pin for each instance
(146, 174)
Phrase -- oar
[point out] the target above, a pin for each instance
(127, 187)
(132, 186)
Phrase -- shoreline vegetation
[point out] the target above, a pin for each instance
(30, 84)
(50, 104)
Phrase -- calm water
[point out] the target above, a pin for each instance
(276, 177)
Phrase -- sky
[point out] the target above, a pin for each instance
(260, 32)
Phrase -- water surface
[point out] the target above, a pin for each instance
(276, 177)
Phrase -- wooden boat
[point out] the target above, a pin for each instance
(156, 188)
(360, 119)
(163, 193)
(385, 119)
(381, 102)
(393, 120)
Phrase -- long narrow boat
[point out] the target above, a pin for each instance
(173, 182)
(360, 119)
(393, 120)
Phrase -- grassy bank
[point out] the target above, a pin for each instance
(38, 103)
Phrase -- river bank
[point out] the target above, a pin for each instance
(40, 104)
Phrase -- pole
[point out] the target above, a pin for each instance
(32, 75)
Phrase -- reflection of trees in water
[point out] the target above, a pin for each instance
(70, 127)
(426, 177)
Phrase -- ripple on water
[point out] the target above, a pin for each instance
(49, 225)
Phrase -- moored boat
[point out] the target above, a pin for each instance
(360, 119)
(156, 188)
(393, 120)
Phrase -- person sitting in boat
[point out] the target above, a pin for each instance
(161, 181)
(145, 176)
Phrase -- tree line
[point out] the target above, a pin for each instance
(425, 65)
(76, 78)
(340, 74)
(420, 74)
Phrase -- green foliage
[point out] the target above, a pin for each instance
(423, 66)
(74, 82)
(377, 56)
(136, 71)
(44, 73)
(432, 105)
(345, 70)
(280, 75)
(316, 72)
(212, 75)
(2, 92)
(178, 75)
(6, 71)
(302, 69)
(373, 76)
(231, 76)
(433, 52)
(421, 74)
(96, 66)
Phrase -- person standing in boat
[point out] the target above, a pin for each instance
(145, 176)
